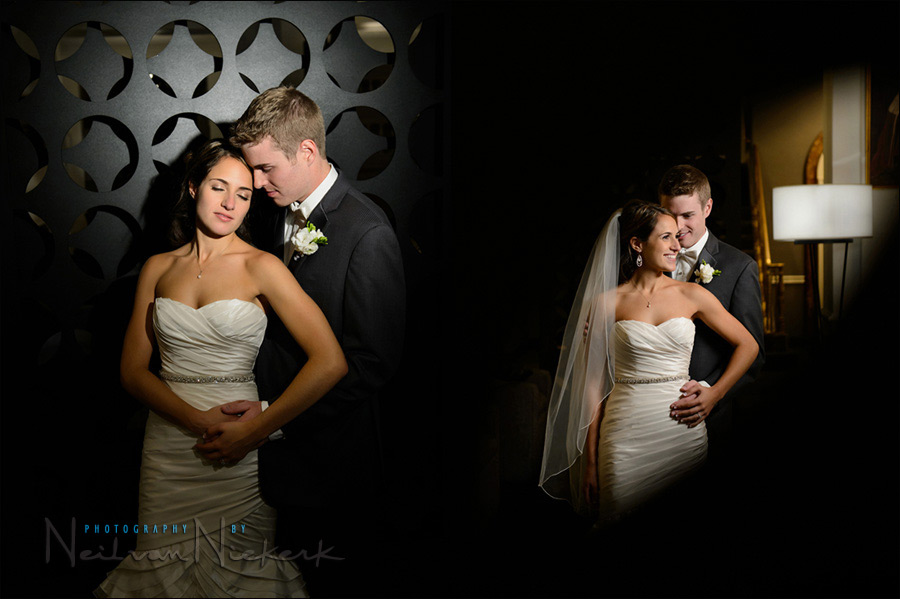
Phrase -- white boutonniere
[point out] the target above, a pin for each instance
(705, 273)
(308, 239)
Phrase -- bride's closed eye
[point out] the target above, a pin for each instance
(244, 197)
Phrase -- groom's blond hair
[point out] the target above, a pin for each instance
(287, 116)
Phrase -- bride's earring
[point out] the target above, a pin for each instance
(639, 261)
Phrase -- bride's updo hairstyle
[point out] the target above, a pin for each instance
(198, 163)
(638, 219)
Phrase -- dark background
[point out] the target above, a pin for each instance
(560, 112)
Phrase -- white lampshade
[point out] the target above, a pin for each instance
(821, 212)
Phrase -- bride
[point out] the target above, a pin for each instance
(204, 529)
(612, 441)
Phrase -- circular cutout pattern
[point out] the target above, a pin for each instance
(359, 54)
(385, 207)
(361, 140)
(272, 53)
(88, 151)
(184, 59)
(178, 133)
(426, 57)
(27, 157)
(104, 242)
(22, 62)
(93, 61)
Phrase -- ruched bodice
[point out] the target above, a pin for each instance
(644, 350)
(641, 449)
(221, 338)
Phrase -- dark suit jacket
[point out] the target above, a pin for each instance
(737, 288)
(357, 280)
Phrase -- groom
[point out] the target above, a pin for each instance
(324, 474)
(685, 191)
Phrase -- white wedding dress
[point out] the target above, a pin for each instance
(641, 449)
(205, 530)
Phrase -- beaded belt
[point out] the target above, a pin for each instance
(178, 378)
(664, 379)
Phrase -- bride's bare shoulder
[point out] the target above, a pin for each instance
(158, 265)
(681, 286)
(694, 292)
(165, 260)
(616, 295)
(257, 259)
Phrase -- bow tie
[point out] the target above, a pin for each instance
(295, 215)
(690, 254)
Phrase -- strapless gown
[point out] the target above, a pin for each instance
(642, 451)
(204, 529)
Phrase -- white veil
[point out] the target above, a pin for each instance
(584, 377)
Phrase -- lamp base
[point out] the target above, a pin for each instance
(813, 258)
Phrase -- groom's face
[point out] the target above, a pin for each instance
(690, 216)
(284, 180)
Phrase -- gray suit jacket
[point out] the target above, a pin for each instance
(737, 288)
(333, 450)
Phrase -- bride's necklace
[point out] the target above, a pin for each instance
(642, 293)
(200, 268)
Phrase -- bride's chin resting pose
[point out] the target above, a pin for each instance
(203, 529)
(613, 440)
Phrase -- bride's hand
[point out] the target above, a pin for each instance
(204, 419)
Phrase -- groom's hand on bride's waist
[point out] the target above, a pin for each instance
(246, 409)
(228, 442)
(696, 402)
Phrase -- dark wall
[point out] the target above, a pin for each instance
(88, 174)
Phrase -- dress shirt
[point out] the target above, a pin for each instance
(300, 211)
(687, 259)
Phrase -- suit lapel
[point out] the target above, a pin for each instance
(710, 252)
(319, 218)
